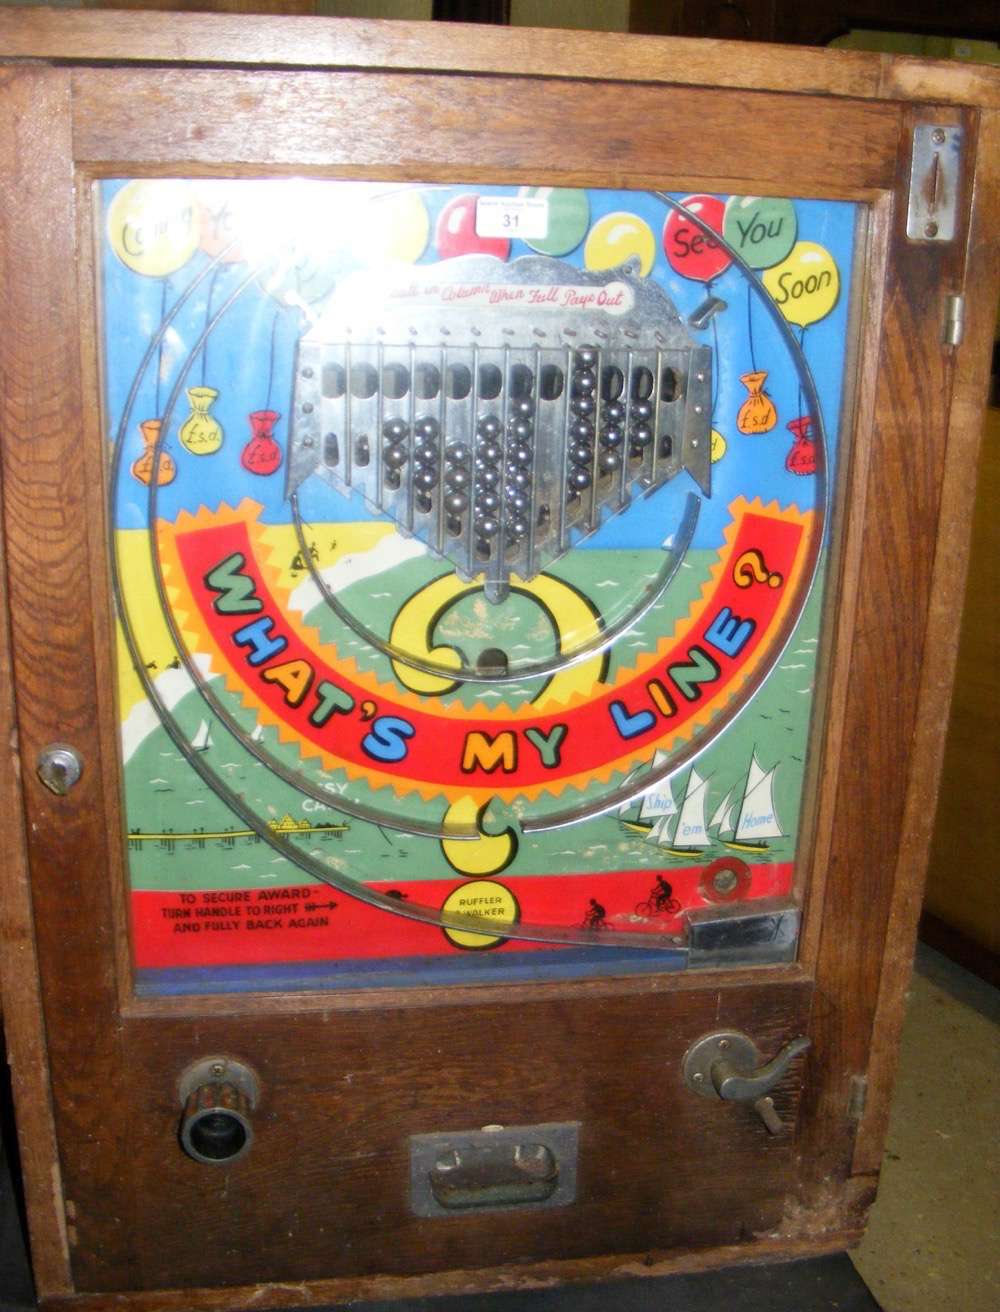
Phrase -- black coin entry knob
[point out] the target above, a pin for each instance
(727, 1066)
(218, 1096)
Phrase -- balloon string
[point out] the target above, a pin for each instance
(753, 357)
(270, 367)
(159, 358)
(208, 315)
(802, 348)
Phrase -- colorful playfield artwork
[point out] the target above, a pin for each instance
(468, 549)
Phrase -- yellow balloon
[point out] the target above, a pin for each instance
(619, 237)
(805, 285)
(397, 228)
(154, 226)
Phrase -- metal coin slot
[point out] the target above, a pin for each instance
(218, 1096)
(494, 1169)
(935, 166)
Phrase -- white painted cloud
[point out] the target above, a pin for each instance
(171, 686)
(389, 551)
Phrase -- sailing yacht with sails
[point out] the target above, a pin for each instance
(202, 739)
(685, 836)
(657, 804)
(756, 821)
(744, 820)
(690, 833)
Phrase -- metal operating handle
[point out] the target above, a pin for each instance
(734, 1084)
(726, 1065)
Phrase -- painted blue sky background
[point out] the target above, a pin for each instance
(249, 374)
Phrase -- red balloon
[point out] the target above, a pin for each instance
(456, 231)
(691, 252)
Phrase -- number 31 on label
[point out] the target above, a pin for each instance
(526, 217)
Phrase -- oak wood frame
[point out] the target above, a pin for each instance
(904, 548)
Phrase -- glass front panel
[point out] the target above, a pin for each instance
(468, 547)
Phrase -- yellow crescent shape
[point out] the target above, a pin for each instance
(411, 632)
(483, 856)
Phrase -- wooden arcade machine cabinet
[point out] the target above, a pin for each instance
(484, 519)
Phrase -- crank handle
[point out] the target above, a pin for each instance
(734, 1083)
(727, 1066)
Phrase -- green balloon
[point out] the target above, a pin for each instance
(761, 229)
(569, 218)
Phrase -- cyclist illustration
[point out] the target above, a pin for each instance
(661, 900)
(595, 917)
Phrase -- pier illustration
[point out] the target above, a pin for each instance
(167, 839)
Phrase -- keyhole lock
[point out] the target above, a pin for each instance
(59, 767)
(218, 1096)
(727, 1066)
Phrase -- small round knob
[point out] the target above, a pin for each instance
(218, 1096)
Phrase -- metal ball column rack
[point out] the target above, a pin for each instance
(500, 412)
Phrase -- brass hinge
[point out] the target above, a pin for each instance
(857, 1097)
(954, 320)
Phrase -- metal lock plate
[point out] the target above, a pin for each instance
(934, 182)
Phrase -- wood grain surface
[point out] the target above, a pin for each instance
(402, 125)
(311, 42)
(325, 1191)
(20, 988)
(947, 563)
(962, 883)
(512, 1278)
(53, 671)
(878, 761)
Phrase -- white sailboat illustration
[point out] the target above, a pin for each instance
(690, 834)
(758, 821)
(724, 817)
(202, 739)
(657, 804)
